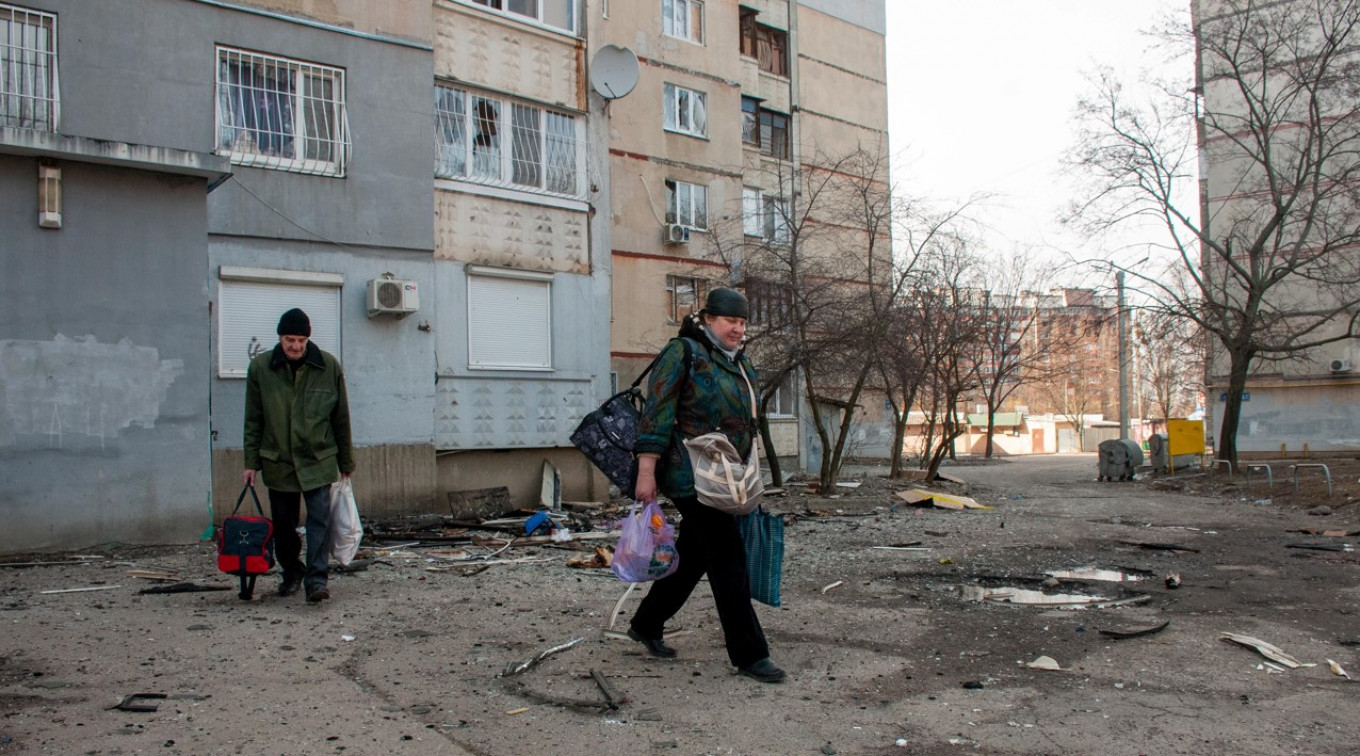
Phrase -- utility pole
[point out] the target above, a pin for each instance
(1123, 319)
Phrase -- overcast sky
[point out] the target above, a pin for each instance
(982, 94)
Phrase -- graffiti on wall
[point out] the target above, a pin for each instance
(75, 394)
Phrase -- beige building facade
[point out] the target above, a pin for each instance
(732, 100)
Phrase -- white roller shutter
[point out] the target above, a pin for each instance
(248, 314)
(509, 322)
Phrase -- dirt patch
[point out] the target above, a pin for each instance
(881, 647)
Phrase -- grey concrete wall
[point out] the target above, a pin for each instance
(1322, 416)
(389, 366)
(104, 430)
(144, 72)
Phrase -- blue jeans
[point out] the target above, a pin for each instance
(283, 507)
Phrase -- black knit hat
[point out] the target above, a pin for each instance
(295, 323)
(728, 302)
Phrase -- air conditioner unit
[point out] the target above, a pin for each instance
(674, 233)
(1341, 366)
(390, 296)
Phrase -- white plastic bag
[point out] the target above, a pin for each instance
(346, 530)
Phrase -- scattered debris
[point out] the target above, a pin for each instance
(48, 564)
(1012, 595)
(1173, 580)
(153, 574)
(185, 588)
(1126, 634)
(849, 484)
(84, 590)
(1103, 574)
(1045, 663)
(829, 586)
(1316, 532)
(481, 502)
(550, 494)
(1172, 547)
(602, 557)
(130, 702)
(1337, 670)
(921, 496)
(1265, 649)
(1320, 546)
(515, 669)
(611, 696)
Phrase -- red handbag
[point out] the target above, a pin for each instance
(245, 544)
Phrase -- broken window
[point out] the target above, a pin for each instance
(544, 151)
(768, 45)
(685, 111)
(684, 296)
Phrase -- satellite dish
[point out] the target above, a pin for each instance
(614, 71)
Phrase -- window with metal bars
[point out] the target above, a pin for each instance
(544, 146)
(282, 114)
(28, 69)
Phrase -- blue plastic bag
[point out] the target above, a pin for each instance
(763, 534)
(646, 549)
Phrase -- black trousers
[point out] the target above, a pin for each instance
(709, 543)
(283, 508)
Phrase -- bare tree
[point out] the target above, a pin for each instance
(1009, 317)
(943, 310)
(1269, 256)
(814, 254)
(1170, 363)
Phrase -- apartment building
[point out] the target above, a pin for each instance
(705, 156)
(175, 174)
(1276, 120)
(521, 272)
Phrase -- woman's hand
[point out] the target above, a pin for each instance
(644, 489)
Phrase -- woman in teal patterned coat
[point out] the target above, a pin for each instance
(697, 387)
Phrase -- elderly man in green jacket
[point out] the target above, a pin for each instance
(297, 434)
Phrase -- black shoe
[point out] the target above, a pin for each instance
(320, 594)
(655, 646)
(764, 671)
(289, 587)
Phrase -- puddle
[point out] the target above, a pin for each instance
(1102, 574)
(1030, 597)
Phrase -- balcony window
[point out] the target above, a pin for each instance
(544, 152)
(559, 14)
(768, 45)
